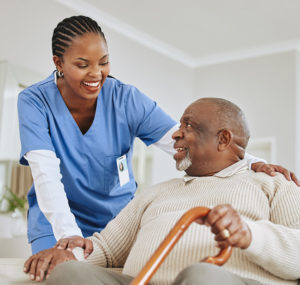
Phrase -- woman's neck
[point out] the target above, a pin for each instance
(74, 103)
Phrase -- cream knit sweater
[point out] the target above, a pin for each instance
(270, 206)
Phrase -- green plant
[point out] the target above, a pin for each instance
(12, 202)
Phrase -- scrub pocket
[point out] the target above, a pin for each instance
(111, 176)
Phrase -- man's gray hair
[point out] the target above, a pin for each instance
(230, 116)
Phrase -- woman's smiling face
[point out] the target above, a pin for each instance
(85, 65)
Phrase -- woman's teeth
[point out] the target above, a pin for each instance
(92, 84)
(180, 149)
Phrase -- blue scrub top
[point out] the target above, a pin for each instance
(88, 161)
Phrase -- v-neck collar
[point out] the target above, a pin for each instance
(69, 114)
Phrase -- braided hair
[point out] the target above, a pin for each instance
(69, 28)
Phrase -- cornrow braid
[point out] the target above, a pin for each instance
(69, 28)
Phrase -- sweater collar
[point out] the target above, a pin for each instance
(235, 168)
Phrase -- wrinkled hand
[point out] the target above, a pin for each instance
(271, 170)
(71, 242)
(224, 217)
(43, 263)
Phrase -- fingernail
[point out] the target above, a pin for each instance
(32, 277)
(25, 269)
(86, 255)
(59, 247)
(47, 276)
(38, 278)
(69, 249)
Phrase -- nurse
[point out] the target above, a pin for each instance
(77, 129)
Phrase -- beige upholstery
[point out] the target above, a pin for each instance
(11, 272)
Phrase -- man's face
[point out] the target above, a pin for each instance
(196, 140)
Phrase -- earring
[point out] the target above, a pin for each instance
(60, 74)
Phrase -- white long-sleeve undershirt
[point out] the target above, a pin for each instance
(51, 197)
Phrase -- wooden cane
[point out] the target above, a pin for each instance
(171, 239)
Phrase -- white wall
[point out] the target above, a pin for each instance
(26, 29)
(297, 110)
(265, 88)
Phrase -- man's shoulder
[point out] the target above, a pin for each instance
(168, 184)
(266, 181)
(156, 190)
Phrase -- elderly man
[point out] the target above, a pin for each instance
(256, 214)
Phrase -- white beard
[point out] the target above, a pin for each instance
(185, 163)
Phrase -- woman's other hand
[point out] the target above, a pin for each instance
(71, 242)
(271, 170)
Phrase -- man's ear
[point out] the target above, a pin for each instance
(58, 62)
(225, 138)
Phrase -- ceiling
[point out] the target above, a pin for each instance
(196, 31)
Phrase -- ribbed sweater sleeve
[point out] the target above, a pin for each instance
(50, 193)
(276, 243)
(113, 244)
